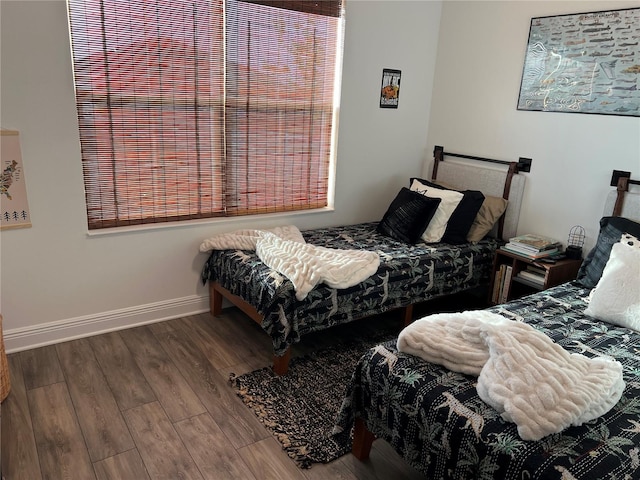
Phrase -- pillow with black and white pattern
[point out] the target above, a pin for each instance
(408, 216)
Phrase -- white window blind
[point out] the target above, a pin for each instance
(201, 108)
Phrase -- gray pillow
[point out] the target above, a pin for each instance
(611, 230)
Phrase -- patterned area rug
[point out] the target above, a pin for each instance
(300, 408)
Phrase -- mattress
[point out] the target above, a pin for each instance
(434, 418)
(407, 274)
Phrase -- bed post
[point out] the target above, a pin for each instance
(513, 169)
(362, 440)
(281, 364)
(215, 300)
(438, 156)
(622, 187)
(407, 315)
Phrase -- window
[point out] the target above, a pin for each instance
(204, 108)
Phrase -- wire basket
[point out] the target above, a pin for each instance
(576, 236)
(575, 242)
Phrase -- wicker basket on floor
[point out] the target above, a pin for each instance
(5, 381)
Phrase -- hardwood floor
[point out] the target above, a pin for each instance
(153, 402)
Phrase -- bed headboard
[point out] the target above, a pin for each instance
(497, 178)
(624, 201)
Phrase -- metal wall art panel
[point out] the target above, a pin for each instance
(583, 63)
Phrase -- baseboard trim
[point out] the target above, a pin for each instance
(19, 339)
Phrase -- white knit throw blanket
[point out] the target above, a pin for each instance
(284, 250)
(530, 380)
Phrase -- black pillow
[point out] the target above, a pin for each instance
(611, 230)
(462, 217)
(408, 215)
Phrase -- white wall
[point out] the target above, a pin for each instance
(57, 282)
(480, 57)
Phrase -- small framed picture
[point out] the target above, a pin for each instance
(390, 90)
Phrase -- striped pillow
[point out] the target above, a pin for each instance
(611, 230)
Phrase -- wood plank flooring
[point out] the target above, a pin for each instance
(153, 402)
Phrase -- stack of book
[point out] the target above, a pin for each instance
(502, 284)
(532, 246)
(532, 276)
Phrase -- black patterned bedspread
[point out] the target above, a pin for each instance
(408, 274)
(430, 414)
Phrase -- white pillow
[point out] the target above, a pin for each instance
(616, 298)
(449, 201)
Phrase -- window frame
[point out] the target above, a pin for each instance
(154, 222)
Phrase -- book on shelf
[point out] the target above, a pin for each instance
(534, 277)
(528, 254)
(535, 269)
(502, 284)
(525, 249)
(528, 282)
(534, 242)
(506, 284)
(497, 283)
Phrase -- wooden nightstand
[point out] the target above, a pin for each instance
(515, 287)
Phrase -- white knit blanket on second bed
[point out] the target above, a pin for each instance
(284, 250)
(522, 373)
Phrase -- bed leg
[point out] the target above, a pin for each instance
(215, 300)
(281, 364)
(362, 440)
(407, 315)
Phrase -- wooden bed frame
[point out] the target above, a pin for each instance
(218, 293)
(280, 363)
(621, 180)
(363, 438)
